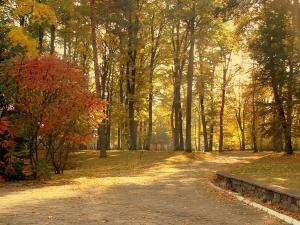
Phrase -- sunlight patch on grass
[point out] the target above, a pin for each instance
(275, 169)
(88, 165)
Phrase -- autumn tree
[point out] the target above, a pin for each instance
(274, 51)
(55, 108)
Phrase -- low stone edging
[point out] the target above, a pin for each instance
(283, 198)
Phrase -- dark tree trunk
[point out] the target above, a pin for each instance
(155, 41)
(121, 99)
(285, 126)
(212, 110)
(181, 140)
(226, 62)
(221, 138)
(240, 118)
(101, 130)
(65, 47)
(22, 21)
(172, 125)
(199, 130)
(177, 114)
(211, 136)
(190, 77)
(41, 39)
(133, 28)
(150, 118)
(204, 126)
(179, 46)
(52, 41)
(254, 117)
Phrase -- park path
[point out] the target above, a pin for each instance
(168, 193)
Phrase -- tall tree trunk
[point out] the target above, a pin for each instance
(150, 111)
(121, 100)
(211, 136)
(52, 41)
(280, 109)
(201, 103)
(282, 116)
(181, 139)
(226, 62)
(155, 41)
(212, 110)
(101, 130)
(221, 138)
(190, 75)
(296, 19)
(179, 43)
(199, 130)
(41, 39)
(254, 117)
(172, 125)
(240, 118)
(204, 126)
(133, 28)
(177, 113)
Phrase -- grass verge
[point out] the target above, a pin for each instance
(275, 169)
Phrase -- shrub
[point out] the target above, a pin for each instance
(42, 170)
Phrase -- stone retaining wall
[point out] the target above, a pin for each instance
(283, 198)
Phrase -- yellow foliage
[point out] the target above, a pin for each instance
(24, 7)
(41, 13)
(18, 36)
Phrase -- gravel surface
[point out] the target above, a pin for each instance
(169, 193)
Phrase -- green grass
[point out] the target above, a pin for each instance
(275, 169)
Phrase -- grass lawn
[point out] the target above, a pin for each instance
(87, 164)
(275, 169)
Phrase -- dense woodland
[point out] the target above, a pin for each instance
(209, 75)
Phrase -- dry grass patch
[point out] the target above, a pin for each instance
(119, 163)
(276, 169)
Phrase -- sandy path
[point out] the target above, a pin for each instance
(166, 194)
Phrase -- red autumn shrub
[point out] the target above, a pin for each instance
(55, 109)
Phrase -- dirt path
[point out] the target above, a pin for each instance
(168, 193)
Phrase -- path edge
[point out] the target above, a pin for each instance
(283, 217)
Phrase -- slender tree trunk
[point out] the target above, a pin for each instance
(296, 19)
(177, 114)
(22, 21)
(150, 111)
(133, 27)
(155, 41)
(52, 41)
(286, 129)
(227, 59)
(65, 46)
(190, 75)
(101, 130)
(212, 111)
(179, 43)
(211, 136)
(254, 117)
(41, 39)
(204, 127)
(172, 125)
(221, 138)
(199, 129)
(121, 99)
(181, 139)
(240, 118)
